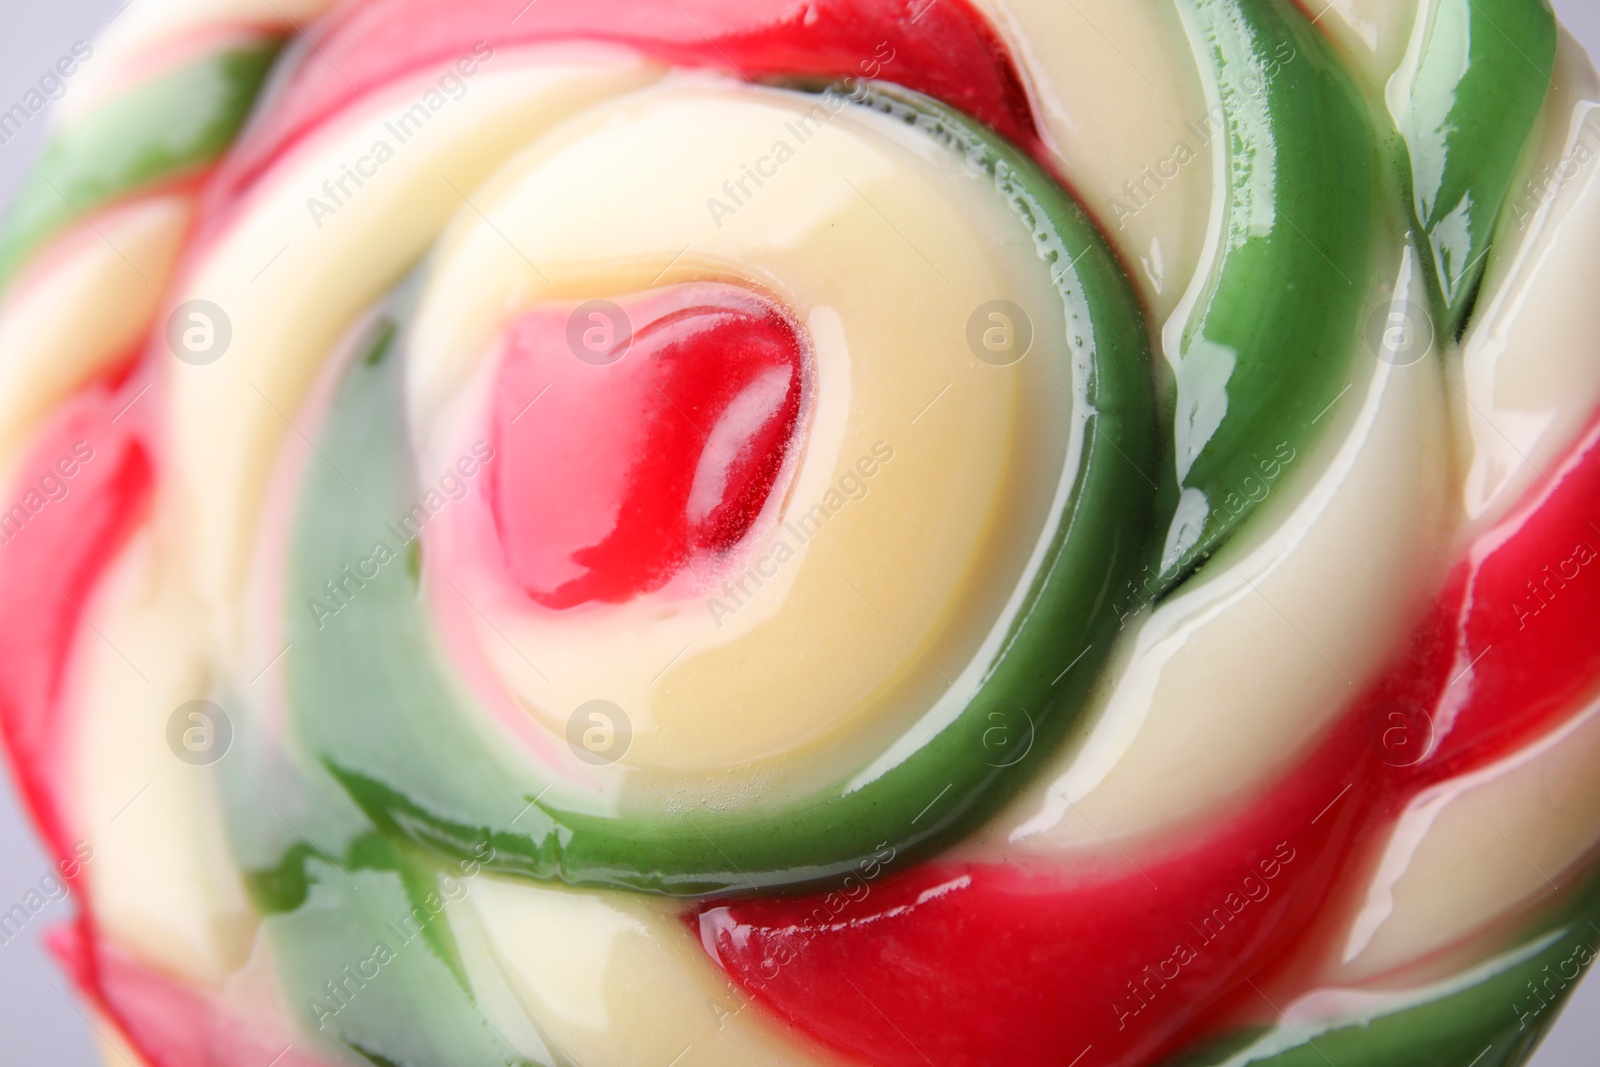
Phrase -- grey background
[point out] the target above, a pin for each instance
(38, 1024)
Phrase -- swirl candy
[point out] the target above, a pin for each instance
(865, 532)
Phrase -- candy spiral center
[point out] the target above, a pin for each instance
(653, 453)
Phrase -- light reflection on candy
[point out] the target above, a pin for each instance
(838, 533)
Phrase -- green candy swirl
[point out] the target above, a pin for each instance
(374, 701)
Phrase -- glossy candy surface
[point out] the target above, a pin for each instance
(974, 926)
(387, 730)
(659, 465)
(732, 533)
(1259, 348)
(1464, 101)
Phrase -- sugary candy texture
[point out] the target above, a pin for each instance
(844, 532)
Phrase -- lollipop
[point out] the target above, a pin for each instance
(811, 533)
